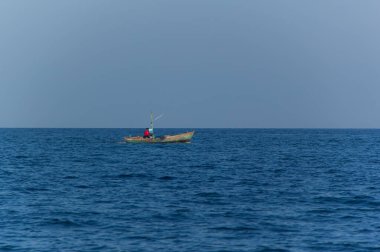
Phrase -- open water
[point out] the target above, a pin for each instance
(229, 190)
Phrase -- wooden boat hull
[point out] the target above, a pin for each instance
(179, 138)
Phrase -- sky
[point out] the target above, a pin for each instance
(201, 63)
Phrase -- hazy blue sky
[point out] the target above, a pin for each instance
(268, 63)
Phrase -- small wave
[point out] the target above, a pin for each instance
(36, 189)
(376, 248)
(70, 177)
(321, 211)
(7, 248)
(355, 200)
(79, 160)
(269, 249)
(132, 175)
(140, 237)
(166, 178)
(348, 217)
(210, 198)
(62, 222)
(160, 216)
(182, 211)
(82, 186)
(361, 199)
(208, 166)
(329, 199)
(208, 194)
(235, 229)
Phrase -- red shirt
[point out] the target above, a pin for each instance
(146, 133)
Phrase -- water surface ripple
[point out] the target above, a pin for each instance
(229, 190)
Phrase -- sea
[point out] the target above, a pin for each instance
(227, 190)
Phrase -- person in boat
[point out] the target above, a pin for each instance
(146, 133)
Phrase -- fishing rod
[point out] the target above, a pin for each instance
(158, 117)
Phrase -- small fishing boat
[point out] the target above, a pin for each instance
(179, 138)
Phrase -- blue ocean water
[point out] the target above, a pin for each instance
(228, 190)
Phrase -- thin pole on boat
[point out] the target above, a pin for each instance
(151, 121)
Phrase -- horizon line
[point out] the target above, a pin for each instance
(316, 128)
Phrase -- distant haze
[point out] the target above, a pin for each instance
(202, 63)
